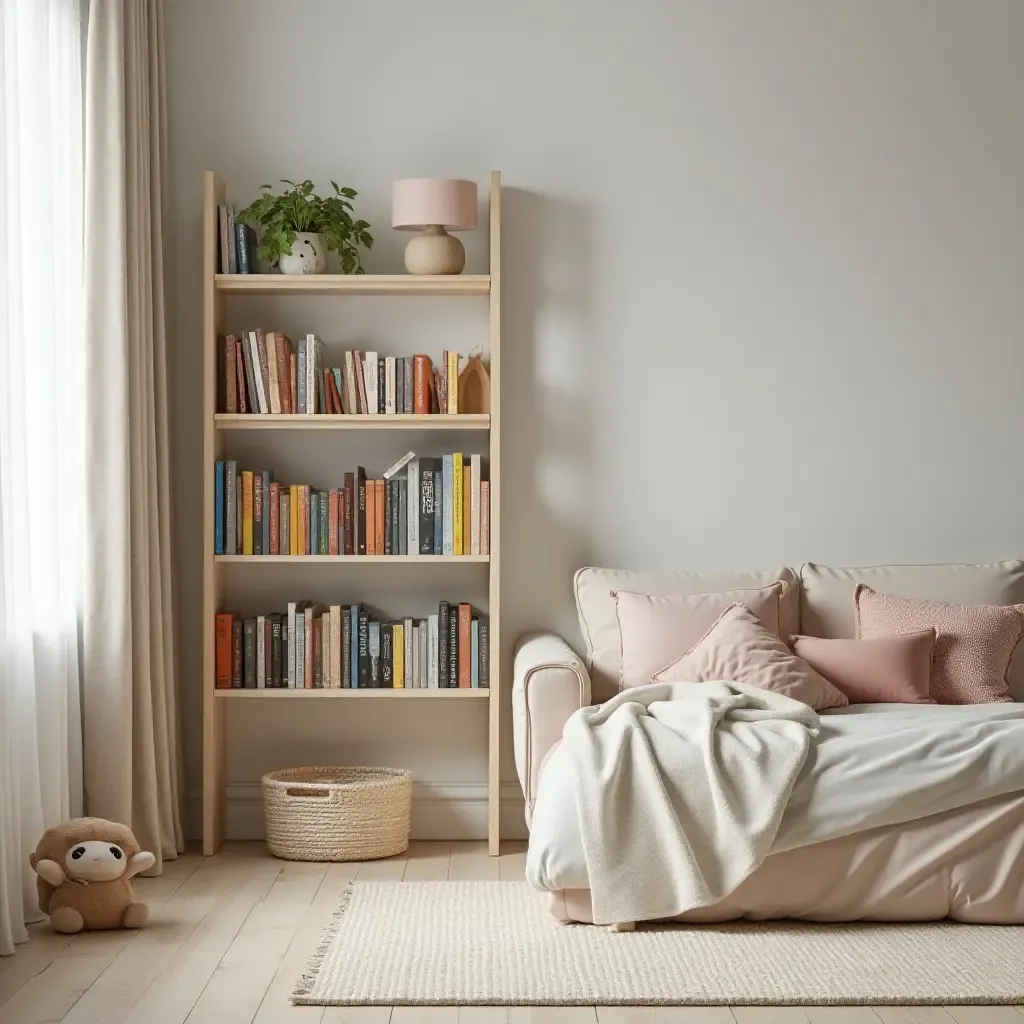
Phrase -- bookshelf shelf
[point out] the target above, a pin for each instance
(250, 421)
(365, 559)
(334, 694)
(221, 432)
(353, 284)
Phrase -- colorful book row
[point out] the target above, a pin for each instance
(423, 506)
(266, 373)
(314, 647)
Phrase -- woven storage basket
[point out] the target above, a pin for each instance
(337, 813)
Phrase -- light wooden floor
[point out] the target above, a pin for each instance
(230, 935)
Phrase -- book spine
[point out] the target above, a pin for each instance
(416, 656)
(357, 357)
(351, 398)
(426, 507)
(224, 640)
(246, 512)
(242, 248)
(230, 375)
(257, 513)
(225, 248)
(453, 648)
(421, 373)
(321, 384)
(453, 383)
(237, 654)
(410, 664)
(474, 658)
(403, 517)
(407, 395)
(264, 371)
(300, 647)
(443, 633)
(332, 521)
(346, 537)
(243, 404)
(293, 365)
(485, 653)
(273, 377)
(353, 622)
(379, 522)
(476, 467)
(398, 650)
(382, 387)
(371, 518)
(438, 525)
(447, 509)
(389, 386)
(360, 512)
(290, 650)
(441, 384)
(389, 490)
(335, 647)
(250, 373)
(261, 652)
(364, 650)
(424, 662)
(250, 654)
(400, 385)
(412, 521)
(274, 520)
(232, 250)
(324, 522)
(370, 364)
(275, 651)
(285, 541)
(218, 508)
(346, 650)
(293, 520)
(467, 511)
(457, 484)
(432, 679)
(465, 646)
(373, 645)
(282, 347)
(318, 652)
(311, 375)
(307, 649)
(387, 668)
(230, 513)
(300, 373)
(485, 517)
(314, 524)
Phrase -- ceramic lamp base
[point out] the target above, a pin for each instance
(434, 251)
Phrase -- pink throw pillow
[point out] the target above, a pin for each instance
(738, 648)
(886, 670)
(654, 629)
(973, 642)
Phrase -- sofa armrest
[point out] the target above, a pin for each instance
(550, 683)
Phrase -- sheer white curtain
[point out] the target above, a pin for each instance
(41, 436)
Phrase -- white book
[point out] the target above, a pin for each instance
(413, 507)
(432, 673)
(300, 650)
(372, 402)
(336, 667)
(424, 663)
(389, 385)
(275, 393)
(474, 509)
(290, 656)
(351, 398)
(261, 652)
(408, 653)
(311, 384)
(400, 464)
(254, 355)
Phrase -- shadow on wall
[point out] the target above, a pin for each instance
(547, 470)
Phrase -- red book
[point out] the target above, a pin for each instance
(282, 350)
(346, 524)
(224, 650)
(485, 517)
(465, 647)
(230, 396)
(332, 387)
(422, 371)
(332, 521)
(357, 357)
(243, 405)
(275, 518)
(371, 517)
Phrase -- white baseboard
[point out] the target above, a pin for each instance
(453, 811)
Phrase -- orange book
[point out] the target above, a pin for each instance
(422, 373)
(222, 660)
(467, 518)
(302, 524)
(380, 501)
(247, 498)
(465, 647)
(371, 517)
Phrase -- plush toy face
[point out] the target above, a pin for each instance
(95, 861)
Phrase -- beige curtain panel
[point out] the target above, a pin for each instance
(132, 756)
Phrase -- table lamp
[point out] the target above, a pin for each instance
(433, 207)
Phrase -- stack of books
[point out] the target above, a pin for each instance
(313, 647)
(421, 506)
(237, 244)
(264, 372)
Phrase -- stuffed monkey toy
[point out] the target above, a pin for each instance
(84, 870)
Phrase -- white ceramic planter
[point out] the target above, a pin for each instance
(308, 255)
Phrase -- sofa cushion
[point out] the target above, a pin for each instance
(826, 594)
(599, 624)
(655, 629)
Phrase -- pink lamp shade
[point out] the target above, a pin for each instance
(417, 203)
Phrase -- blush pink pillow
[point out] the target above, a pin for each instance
(973, 642)
(654, 629)
(886, 670)
(738, 648)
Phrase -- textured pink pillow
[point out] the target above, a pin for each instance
(654, 629)
(887, 670)
(738, 648)
(973, 642)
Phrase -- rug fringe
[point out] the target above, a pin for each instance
(304, 986)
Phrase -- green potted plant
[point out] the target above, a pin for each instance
(298, 228)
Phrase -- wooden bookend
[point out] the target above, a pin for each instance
(475, 387)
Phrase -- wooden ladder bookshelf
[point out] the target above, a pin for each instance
(218, 428)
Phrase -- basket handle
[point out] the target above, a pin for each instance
(307, 792)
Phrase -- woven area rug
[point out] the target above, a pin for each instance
(494, 943)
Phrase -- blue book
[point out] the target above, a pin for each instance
(266, 512)
(300, 374)
(474, 658)
(447, 546)
(314, 523)
(438, 512)
(353, 624)
(218, 508)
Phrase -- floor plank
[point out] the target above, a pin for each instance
(425, 1015)
(912, 1015)
(470, 862)
(234, 993)
(769, 1015)
(552, 1015)
(512, 862)
(841, 1015)
(427, 862)
(483, 1015)
(665, 1015)
(984, 1014)
(357, 1015)
(390, 870)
